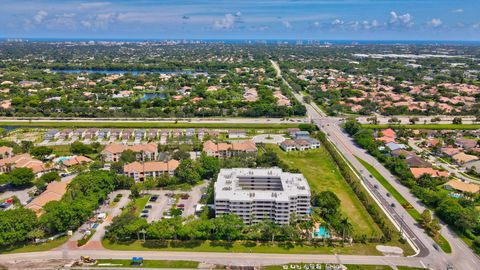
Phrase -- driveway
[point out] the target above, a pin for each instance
(269, 138)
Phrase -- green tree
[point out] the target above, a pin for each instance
(26, 146)
(426, 218)
(15, 225)
(457, 121)
(21, 177)
(80, 148)
(188, 172)
(180, 154)
(50, 177)
(227, 227)
(128, 156)
(41, 152)
(210, 166)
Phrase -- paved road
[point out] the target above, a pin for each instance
(405, 119)
(462, 257)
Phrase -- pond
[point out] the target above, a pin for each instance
(148, 96)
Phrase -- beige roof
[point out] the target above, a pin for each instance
(462, 186)
(151, 166)
(418, 172)
(76, 160)
(24, 161)
(54, 192)
(462, 157)
(5, 149)
(248, 146)
(116, 148)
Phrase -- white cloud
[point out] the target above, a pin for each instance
(227, 22)
(90, 5)
(435, 22)
(400, 20)
(458, 10)
(66, 20)
(40, 16)
(287, 24)
(337, 22)
(99, 21)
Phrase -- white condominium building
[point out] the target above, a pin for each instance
(258, 194)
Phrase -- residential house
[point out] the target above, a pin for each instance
(288, 145)
(466, 143)
(301, 135)
(226, 150)
(418, 172)
(417, 162)
(127, 134)
(457, 185)
(473, 165)
(449, 151)
(389, 136)
(395, 146)
(462, 158)
(115, 134)
(78, 133)
(6, 152)
(51, 134)
(152, 134)
(64, 134)
(103, 134)
(139, 134)
(140, 171)
(190, 132)
(90, 133)
(402, 152)
(292, 131)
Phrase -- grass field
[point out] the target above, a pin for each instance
(322, 174)
(426, 126)
(441, 241)
(240, 246)
(149, 264)
(147, 124)
(30, 247)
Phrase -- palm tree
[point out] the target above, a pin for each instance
(346, 228)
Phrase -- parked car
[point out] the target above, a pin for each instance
(184, 196)
(148, 206)
(181, 205)
(153, 198)
(144, 211)
(144, 216)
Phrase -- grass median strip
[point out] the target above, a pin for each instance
(441, 241)
(169, 264)
(147, 124)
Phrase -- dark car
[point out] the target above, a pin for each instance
(145, 211)
(392, 205)
(148, 206)
(181, 205)
(388, 194)
(153, 198)
(144, 216)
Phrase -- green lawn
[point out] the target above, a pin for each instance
(140, 203)
(30, 247)
(147, 124)
(149, 264)
(61, 150)
(240, 246)
(322, 174)
(426, 126)
(442, 242)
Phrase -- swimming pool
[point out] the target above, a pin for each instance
(322, 233)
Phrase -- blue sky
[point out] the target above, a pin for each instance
(242, 19)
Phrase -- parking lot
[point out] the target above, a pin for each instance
(166, 200)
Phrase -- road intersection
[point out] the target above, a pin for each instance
(461, 258)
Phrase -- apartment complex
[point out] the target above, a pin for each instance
(140, 171)
(226, 150)
(145, 152)
(258, 194)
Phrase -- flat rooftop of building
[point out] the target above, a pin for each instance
(231, 184)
